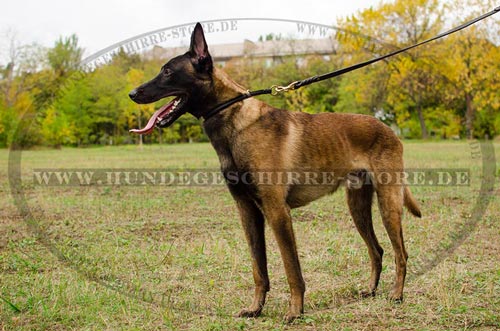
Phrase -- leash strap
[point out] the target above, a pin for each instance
(234, 100)
(275, 89)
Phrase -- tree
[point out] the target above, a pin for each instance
(65, 56)
(471, 67)
(18, 88)
(75, 106)
(363, 91)
(455, 75)
(409, 76)
(56, 129)
(134, 114)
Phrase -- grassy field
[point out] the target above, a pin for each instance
(173, 257)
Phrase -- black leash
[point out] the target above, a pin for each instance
(275, 89)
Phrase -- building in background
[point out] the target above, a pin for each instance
(270, 51)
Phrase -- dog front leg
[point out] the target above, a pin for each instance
(253, 225)
(278, 216)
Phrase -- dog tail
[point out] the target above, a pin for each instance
(411, 203)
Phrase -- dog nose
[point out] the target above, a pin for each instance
(133, 94)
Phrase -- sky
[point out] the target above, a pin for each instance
(101, 23)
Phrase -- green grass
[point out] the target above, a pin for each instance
(157, 257)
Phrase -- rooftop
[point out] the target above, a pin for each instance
(268, 48)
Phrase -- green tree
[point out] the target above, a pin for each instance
(363, 91)
(65, 56)
(75, 105)
(56, 129)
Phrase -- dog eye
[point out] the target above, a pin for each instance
(166, 72)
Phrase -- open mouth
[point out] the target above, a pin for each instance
(164, 116)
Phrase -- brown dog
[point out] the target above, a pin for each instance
(253, 139)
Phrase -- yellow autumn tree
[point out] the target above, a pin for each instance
(404, 85)
(136, 115)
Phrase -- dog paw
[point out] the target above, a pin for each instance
(367, 294)
(293, 313)
(396, 298)
(290, 317)
(248, 312)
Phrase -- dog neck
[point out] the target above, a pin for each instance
(236, 117)
(225, 85)
(224, 89)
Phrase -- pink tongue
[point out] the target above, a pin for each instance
(152, 121)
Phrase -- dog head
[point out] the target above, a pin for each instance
(187, 77)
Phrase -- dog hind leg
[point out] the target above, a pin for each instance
(390, 200)
(360, 205)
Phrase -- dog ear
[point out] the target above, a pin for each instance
(199, 49)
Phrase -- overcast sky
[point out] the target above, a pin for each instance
(100, 23)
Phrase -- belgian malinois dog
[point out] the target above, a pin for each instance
(251, 136)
